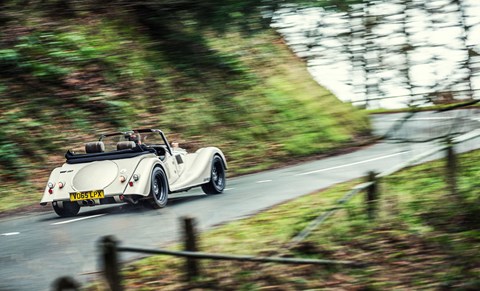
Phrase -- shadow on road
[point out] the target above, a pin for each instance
(125, 208)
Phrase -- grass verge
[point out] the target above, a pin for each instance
(422, 238)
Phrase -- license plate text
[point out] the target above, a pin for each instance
(87, 195)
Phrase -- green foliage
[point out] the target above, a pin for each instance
(10, 159)
(208, 73)
(8, 56)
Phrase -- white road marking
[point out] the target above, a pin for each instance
(351, 164)
(264, 181)
(10, 233)
(77, 219)
(228, 189)
(426, 118)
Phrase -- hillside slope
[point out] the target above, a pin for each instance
(68, 74)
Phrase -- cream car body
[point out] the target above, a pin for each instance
(145, 170)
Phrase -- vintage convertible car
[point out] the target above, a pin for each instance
(137, 166)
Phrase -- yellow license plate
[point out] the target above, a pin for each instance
(87, 195)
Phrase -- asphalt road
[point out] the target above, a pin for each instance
(35, 249)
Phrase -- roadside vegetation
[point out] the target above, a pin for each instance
(206, 74)
(422, 238)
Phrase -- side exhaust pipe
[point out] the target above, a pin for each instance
(129, 200)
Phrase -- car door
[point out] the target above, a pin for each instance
(180, 161)
(171, 168)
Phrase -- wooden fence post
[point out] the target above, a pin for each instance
(371, 197)
(111, 267)
(190, 237)
(65, 284)
(451, 170)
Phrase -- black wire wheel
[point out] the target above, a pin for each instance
(217, 182)
(66, 208)
(158, 188)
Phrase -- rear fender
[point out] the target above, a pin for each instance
(56, 195)
(144, 174)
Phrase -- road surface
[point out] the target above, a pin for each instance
(37, 248)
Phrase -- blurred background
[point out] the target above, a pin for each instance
(389, 54)
(220, 73)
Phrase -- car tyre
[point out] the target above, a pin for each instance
(66, 208)
(217, 182)
(158, 189)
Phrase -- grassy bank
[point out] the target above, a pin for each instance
(423, 238)
(205, 75)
